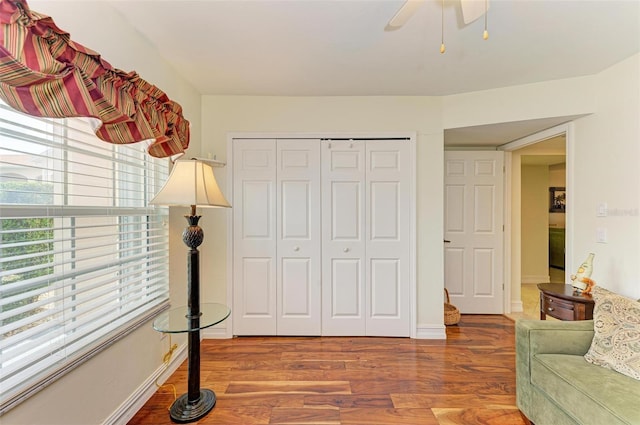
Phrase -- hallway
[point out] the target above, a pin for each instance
(531, 297)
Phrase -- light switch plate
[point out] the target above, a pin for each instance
(601, 235)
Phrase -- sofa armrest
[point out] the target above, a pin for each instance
(553, 337)
(545, 337)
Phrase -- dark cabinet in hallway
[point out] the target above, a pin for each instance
(556, 247)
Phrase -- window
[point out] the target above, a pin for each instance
(83, 259)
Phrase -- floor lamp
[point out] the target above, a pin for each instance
(192, 183)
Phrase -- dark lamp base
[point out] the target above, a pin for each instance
(182, 411)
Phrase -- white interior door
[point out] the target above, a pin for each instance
(254, 237)
(473, 192)
(298, 246)
(343, 239)
(387, 238)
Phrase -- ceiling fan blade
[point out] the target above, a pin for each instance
(473, 9)
(403, 14)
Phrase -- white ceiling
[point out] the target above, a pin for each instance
(340, 47)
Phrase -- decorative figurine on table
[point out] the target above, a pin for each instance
(581, 281)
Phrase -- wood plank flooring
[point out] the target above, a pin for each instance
(467, 379)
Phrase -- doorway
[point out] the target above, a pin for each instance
(543, 210)
(539, 228)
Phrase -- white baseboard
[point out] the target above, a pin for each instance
(535, 279)
(431, 332)
(143, 393)
(516, 306)
(214, 332)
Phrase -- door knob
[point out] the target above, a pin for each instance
(346, 250)
(296, 249)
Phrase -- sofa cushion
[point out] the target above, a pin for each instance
(588, 393)
(616, 342)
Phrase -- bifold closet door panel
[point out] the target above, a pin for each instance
(365, 243)
(343, 238)
(299, 238)
(254, 237)
(387, 238)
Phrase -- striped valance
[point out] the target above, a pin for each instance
(45, 74)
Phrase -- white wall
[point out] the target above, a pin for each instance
(222, 115)
(607, 150)
(571, 96)
(535, 223)
(93, 392)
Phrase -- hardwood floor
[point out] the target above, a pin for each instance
(467, 379)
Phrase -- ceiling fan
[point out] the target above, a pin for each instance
(471, 10)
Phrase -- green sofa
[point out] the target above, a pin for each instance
(557, 386)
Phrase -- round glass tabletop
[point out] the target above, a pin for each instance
(175, 320)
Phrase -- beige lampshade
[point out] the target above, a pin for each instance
(191, 182)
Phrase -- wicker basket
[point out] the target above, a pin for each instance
(451, 312)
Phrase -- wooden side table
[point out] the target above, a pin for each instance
(558, 300)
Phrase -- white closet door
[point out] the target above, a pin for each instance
(255, 238)
(387, 239)
(343, 239)
(321, 237)
(298, 229)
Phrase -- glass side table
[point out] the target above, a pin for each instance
(197, 402)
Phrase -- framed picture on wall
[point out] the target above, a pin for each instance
(557, 199)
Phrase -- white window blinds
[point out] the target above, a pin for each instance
(83, 260)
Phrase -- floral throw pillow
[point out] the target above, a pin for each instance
(616, 342)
